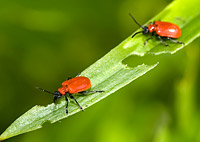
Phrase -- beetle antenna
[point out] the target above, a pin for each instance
(135, 21)
(44, 90)
(137, 33)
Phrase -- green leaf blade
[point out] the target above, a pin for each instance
(38, 115)
(34, 118)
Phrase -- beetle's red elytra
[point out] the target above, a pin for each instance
(162, 30)
(165, 29)
(77, 84)
(72, 86)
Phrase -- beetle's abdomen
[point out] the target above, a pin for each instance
(166, 29)
(78, 84)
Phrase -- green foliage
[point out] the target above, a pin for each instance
(109, 74)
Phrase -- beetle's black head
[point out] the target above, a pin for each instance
(145, 30)
(56, 93)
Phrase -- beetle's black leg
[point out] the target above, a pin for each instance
(148, 39)
(162, 41)
(90, 92)
(66, 104)
(151, 23)
(55, 98)
(72, 97)
(175, 41)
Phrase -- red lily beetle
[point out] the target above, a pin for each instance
(71, 86)
(162, 30)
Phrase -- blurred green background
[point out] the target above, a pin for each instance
(42, 42)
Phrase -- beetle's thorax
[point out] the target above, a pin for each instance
(62, 90)
(152, 28)
(145, 30)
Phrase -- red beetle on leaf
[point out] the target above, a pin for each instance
(162, 30)
(72, 86)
